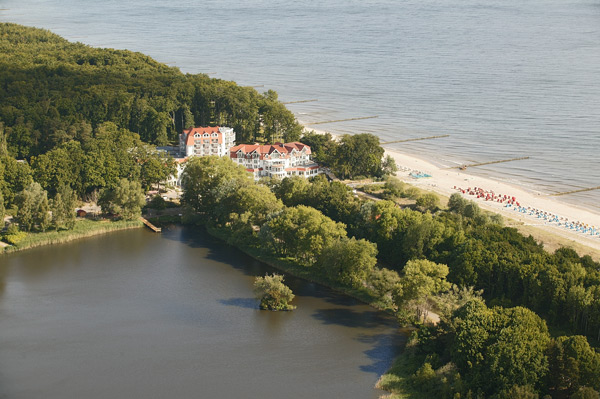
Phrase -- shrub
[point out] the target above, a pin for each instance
(273, 294)
(13, 235)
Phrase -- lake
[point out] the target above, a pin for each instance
(137, 314)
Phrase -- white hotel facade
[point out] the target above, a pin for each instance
(275, 160)
(204, 141)
(271, 160)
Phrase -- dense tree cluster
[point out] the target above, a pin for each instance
(48, 86)
(222, 194)
(352, 156)
(502, 353)
(84, 118)
(511, 269)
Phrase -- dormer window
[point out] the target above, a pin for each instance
(196, 135)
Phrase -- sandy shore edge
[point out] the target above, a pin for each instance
(448, 181)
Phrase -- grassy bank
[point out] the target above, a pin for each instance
(83, 228)
(403, 381)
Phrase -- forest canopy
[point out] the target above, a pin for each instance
(49, 86)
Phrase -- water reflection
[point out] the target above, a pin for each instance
(246, 303)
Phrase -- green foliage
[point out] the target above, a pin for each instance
(209, 180)
(586, 393)
(125, 200)
(14, 177)
(393, 188)
(273, 293)
(424, 375)
(51, 84)
(257, 201)
(82, 228)
(301, 232)
(573, 364)
(421, 280)
(388, 166)
(2, 210)
(358, 155)
(457, 203)
(428, 202)
(519, 392)
(13, 235)
(278, 123)
(292, 190)
(155, 167)
(448, 301)
(322, 146)
(384, 283)
(157, 202)
(334, 199)
(63, 208)
(348, 261)
(33, 208)
(497, 348)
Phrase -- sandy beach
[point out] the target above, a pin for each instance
(448, 181)
(444, 181)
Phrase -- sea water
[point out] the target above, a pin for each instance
(504, 79)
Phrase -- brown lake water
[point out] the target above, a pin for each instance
(136, 314)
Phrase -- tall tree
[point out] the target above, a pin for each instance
(33, 208)
(63, 208)
(301, 232)
(348, 261)
(125, 200)
(208, 180)
(358, 155)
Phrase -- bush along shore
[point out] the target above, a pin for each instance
(512, 320)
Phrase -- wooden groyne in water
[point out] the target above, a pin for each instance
(417, 139)
(575, 191)
(300, 101)
(150, 225)
(343, 120)
(462, 167)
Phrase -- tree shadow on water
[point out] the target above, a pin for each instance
(385, 347)
(246, 303)
(352, 318)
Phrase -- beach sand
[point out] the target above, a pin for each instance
(444, 181)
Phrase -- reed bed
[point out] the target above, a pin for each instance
(83, 228)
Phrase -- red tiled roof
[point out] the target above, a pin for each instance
(268, 149)
(188, 134)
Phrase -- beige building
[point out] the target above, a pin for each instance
(204, 141)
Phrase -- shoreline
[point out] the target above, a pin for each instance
(444, 181)
(53, 237)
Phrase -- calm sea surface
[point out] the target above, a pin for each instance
(135, 314)
(504, 78)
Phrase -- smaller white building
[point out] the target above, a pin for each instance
(204, 141)
(275, 160)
